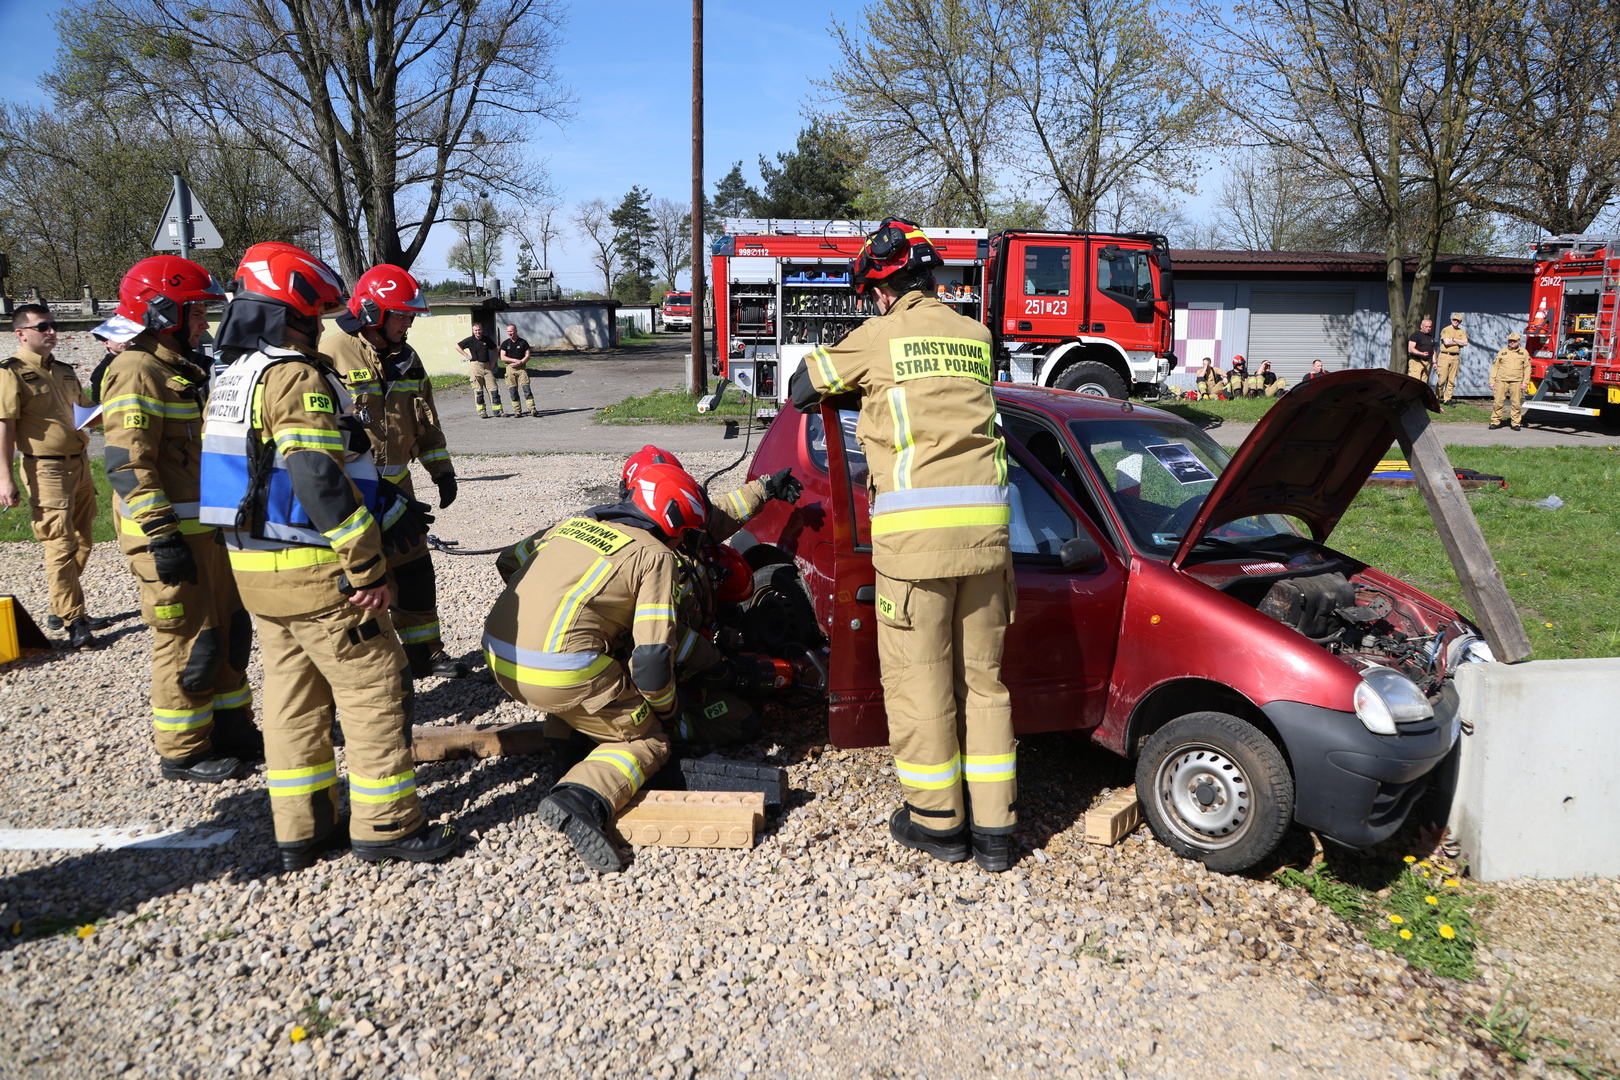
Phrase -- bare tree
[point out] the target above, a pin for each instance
(672, 238)
(594, 220)
(370, 106)
(480, 226)
(1267, 202)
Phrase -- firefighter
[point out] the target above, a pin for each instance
(600, 586)
(1239, 383)
(1510, 378)
(515, 355)
(1271, 384)
(37, 395)
(480, 356)
(939, 530)
(393, 398)
(153, 393)
(289, 477)
(1211, 383)
(1453, 339)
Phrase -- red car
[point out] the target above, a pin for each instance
(1179, 605)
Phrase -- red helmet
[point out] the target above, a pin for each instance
(647, 455)
(155, 291)
(291, 276)
(734, 578)
(382, 289)
(669, 495)
(897, 248)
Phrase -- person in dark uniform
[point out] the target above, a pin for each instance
(479, 352)
(515, 352)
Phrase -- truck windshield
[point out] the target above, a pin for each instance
(678, 300)
(1157, 473)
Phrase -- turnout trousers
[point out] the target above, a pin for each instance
(201, 640)
(484, 380)
(414, 595)
(62, 508)
(950, 717)
(350, 659)
(517, 382)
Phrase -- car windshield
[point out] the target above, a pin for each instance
(1157, 473)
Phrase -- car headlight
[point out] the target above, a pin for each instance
(1467, 648)
(1385, 698)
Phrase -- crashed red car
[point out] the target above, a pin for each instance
(1179, 605)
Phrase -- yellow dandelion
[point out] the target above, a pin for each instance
(1548, 625)
(1410, 859)
(86, 930)
(1453, 883)
(1425, 865)
(1396, 919)
(1447, 932)
(1431, 900)
(298, 1034)
(1406, 935)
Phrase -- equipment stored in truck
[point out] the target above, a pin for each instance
(1571, 335)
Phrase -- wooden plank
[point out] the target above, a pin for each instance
(448, 741)
(1459, 533)
(1115, 818)
(727, 819)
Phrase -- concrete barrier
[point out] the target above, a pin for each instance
(1538, 779)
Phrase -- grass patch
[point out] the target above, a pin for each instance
(1248, 410)
(15, 523)
(1509, 1031)
(677, 407)
(1567, 599)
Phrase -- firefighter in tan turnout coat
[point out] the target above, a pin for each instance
(940, 514)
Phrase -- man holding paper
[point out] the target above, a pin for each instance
(37, 398)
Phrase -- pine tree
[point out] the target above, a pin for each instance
(814, 180)
(637, 232)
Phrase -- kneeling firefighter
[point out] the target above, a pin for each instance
(940, 515)
(288, 475)
(394, 400)
(586, 632)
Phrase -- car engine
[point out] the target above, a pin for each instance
(1359, 622)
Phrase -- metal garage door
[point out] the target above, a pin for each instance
(1293, 328)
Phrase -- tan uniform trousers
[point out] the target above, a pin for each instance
(632, 744)
(1505, 391)
(62, 506)
(414, 593)
(1277, 386)
(1446, 381)
(1418, 368)
(349, 658)
(485, 381)
(1209, 389)
(950, 717)
(517, 382)
(201, 640)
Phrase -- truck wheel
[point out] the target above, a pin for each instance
(1091, 377)
(1215, 789)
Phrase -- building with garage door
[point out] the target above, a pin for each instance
(1292, 307)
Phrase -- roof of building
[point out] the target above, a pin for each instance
(1202, 263)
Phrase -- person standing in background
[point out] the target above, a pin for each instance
(1453, 339)
(479, 352)
(1510, 378)
(515, 352)
(1420, 351)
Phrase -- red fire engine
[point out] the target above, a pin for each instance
(1079, 311)
(677, 311)
(1571, 336)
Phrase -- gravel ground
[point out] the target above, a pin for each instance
(824, 951)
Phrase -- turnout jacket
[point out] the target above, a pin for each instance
(1511, 366)
(39, 393)
(152, 398)
(393, 398)
(937, 468)
(598, 588)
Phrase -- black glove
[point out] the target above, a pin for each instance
(447, 490)
(175, 563)
(409, 526)
(783, 486)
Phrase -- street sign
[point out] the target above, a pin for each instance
(183, 207)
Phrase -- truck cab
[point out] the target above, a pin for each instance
(1571, 336)
(677, 311)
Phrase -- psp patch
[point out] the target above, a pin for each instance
(137, 419)
(716, 711)
(593, 534)
(931, 357)
(886, 607)
(318, 403)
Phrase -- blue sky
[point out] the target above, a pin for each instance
(629, 64)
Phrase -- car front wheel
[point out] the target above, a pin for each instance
(1215, 789)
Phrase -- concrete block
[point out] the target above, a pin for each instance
(715, 773)
(444, 742)
(1115, 818)
(1537, 775)
(692, 819)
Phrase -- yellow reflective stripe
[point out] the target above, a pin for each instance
(654, 613)
(904, 445)
(990, 767)
(286, 559)
(624, 762)
(188, 527)
(533, 676)
(1001, 453)
(140, 504)
(168, 611)
(947, 517)
(928, 777)
(739, 504)
(417, 633)
(300, 781)
(169, 410)
(183, 719)
(662, 701)
(568, 610)
(236, 699)
(689, 638)
(829, 374)
(388, 789)
(356, 525)
(308, 439)
(433, 455)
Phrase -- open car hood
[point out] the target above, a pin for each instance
(1311, 454)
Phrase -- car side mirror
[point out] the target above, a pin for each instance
(1080, 553)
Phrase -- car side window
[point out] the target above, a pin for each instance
(1046, 448)
(1039, 523)
(854, 461)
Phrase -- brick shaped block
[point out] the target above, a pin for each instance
(715, 773)
(1115, 818)
(725, 819)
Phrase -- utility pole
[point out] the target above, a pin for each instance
(182, 200)
(697, 378)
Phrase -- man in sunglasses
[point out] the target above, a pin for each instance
(37, 395)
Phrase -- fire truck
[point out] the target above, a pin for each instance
(1088, 312)
(677, 311)
(1571, 337)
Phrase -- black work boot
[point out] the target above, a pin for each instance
(430, 843)
(425, 662)
(208, 767)
(79, 635)
(581, 815)
(991, 851)
(54, 622)
(236, 735)
(951, 847)
(295, 857)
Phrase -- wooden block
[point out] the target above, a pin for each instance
(1115, 818)
(445, 742)
(692, 819)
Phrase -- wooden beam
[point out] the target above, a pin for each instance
(442, 742)
(1459, 533)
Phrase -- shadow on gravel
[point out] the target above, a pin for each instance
(1059, 777)
(460, 479)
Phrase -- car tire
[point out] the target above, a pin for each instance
(1215, 789)
(1096, 379)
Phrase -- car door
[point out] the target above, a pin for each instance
(1044, 297)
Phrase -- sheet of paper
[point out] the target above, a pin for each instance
(83, 416)
(1181, 463)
